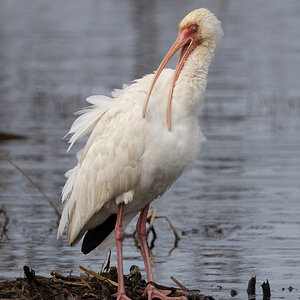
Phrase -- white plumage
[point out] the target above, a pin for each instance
(131, 159)
(126, 156)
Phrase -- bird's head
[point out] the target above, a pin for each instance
(208, 27)
(199, 27)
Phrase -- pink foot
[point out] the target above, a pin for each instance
(121, 296)
(153, 292)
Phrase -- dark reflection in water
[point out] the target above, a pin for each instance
(237, 210)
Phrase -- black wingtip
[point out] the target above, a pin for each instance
(94, 237)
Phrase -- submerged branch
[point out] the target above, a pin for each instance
(4, 157)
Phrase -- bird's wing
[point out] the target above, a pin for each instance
(89, 117)
(108, 166)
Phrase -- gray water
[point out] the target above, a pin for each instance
(236, 211)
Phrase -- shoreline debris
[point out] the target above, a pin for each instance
(251, 288)
(89, 285)
(266, 290)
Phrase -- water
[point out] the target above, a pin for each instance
(237, 210)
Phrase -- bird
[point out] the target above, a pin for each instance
(140, 141)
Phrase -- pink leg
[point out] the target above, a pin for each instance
(151, 290)
(142, 235)
(119, 234)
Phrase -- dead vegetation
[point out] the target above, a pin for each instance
(89, 285)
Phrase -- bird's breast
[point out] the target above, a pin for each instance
(168, 154)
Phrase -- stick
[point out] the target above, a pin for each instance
(171, 226)
(266, 290)
(4, 157)
(98, 276)
(30, 275)
(179, 284)
(151, 216)
(57, 275)
(69, 282)
(251, 288)
(106, 268)
(86, 283)
(104, 260)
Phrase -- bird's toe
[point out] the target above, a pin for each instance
(154, 292)
(121, 296)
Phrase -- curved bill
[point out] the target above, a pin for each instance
(187, 44)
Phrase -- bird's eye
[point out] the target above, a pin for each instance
(194, 29)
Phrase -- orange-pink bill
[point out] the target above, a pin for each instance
(186, 41)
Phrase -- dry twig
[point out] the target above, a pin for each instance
(251, 288)
(150, 218)
(266, 290)
(179, 284)
(98, 276)
(69, 282)
(104, 260)
(177, 238)
(4, 157)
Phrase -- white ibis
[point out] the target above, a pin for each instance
(142, 138)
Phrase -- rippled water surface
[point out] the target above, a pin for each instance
(237, 210)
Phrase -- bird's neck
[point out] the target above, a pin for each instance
(191, 84)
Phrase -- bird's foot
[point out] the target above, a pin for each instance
(121, 296)
(154, 292)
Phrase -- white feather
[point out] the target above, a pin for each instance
(81, 126)
(89, 117)
(130, 159)
(125, 158)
